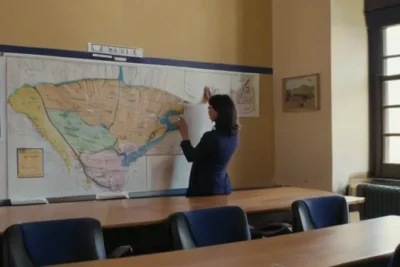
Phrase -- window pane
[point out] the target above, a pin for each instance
(391, 121)
(391, 150)
(392, 42)
(391, 93)
(392, 66)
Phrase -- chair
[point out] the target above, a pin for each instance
(319, 212)
(53, 242)
(206, 227)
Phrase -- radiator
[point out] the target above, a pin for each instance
(380, 200)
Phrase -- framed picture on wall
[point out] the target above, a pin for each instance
(300, 93)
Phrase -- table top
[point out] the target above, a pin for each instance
(332, 246)
(132, 212)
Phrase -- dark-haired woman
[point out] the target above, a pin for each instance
(212, 155)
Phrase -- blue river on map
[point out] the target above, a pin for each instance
(132, 157)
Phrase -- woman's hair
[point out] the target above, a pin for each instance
(226, 122)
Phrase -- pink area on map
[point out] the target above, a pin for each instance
(105, 168)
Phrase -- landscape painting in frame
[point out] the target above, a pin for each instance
(301, 93)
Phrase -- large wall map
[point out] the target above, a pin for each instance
(101, 127)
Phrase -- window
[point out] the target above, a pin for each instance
(384, 88)
(390, 84)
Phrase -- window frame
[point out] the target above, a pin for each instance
(377, 20)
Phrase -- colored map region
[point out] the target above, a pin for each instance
(103, 123)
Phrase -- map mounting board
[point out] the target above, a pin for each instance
(106, 127)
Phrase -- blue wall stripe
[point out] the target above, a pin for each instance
(146, 60)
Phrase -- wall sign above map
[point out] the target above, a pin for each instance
(120, 51)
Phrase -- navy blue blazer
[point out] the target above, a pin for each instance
(210, 159)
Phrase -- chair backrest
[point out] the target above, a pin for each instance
(53, 242)
(206, 227)
(319, 212)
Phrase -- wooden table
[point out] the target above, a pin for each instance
(133, 212)
(351, 243)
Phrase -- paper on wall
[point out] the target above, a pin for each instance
(198, 121)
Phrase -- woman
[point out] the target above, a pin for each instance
(212, 155)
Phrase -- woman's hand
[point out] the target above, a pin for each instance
(206, 95)
(183, 128)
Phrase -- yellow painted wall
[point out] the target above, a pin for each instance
(226, 31)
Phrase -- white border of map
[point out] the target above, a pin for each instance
(3, 97)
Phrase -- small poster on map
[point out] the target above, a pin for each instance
(244, 91)
(30, 163)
